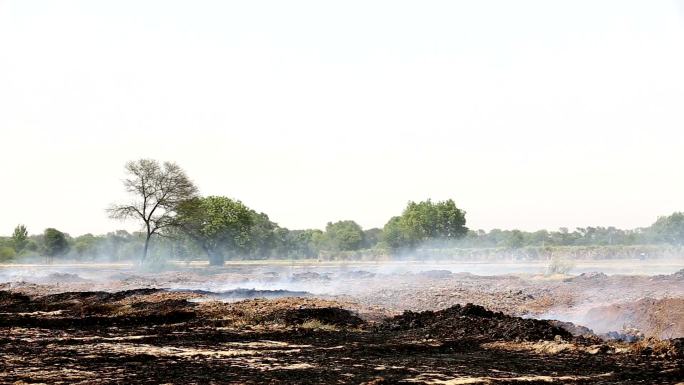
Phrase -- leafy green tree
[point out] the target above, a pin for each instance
(19, 238)
(304, 243)
(54, 244)
(32, 246)
(435, 220)
(86, 246)
(158, 190)
(283, 245)
(372, 237)
(393, 233)
(670, 229)
(344, 236)
(514, 239)
(218, 224)
(264, 236)
(540, 238)
(425, 221)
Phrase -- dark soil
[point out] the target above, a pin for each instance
(152, 336)
(474, 322)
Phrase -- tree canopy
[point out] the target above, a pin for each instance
(19, 238)
(55, 243)
(344, 235)
(670, 229)
(425, 221)
(166, 202)
(219, 225)
(157, 191)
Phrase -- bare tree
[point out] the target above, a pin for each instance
(158, 190)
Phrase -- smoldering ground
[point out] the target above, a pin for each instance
(323, 322)
(516, 288)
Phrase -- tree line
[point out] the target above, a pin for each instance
(178, 223)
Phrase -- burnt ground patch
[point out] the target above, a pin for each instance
(267, 341)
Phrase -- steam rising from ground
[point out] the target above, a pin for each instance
(518, 288)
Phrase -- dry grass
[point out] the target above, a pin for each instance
(318, 325)
(657, 339)
(560, 266)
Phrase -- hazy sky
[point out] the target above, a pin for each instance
(529, 114)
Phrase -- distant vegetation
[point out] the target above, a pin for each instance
(179, 224)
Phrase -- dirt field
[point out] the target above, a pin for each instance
(278, 325)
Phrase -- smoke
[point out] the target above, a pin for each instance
(598, 299)
(680, 7)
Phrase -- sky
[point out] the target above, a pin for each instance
(529, 114)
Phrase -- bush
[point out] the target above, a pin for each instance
(7, 254)
(559, 266)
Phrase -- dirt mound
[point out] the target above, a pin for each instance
(329, 316)
(591, 276)
(64, 277)
(626, 335)
(435, 274)
(101, 296)
(98, 308)
(676, 347)
(473, 322)
(13, 302)
(242, 293)
(310, 276)
(84, 309)
(575, 330)
(282, 311)
(81, 302)
(357, 274)
(660, 318)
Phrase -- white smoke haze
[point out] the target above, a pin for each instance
(319, 192)
(397, 285)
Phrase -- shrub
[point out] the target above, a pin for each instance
(7, 254)
(559, 266)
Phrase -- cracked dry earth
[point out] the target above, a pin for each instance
(156, 336)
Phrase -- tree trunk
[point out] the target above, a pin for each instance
(216, 259)
(147, 245)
